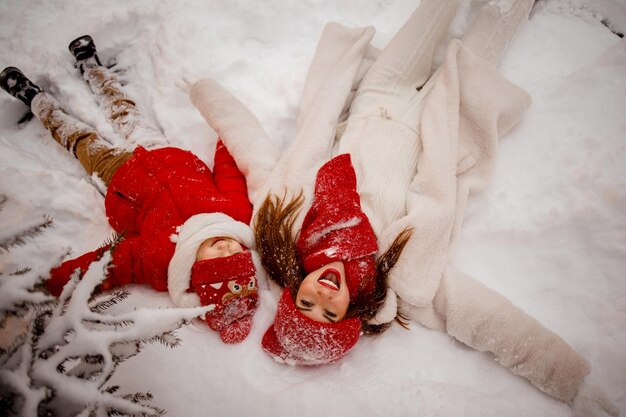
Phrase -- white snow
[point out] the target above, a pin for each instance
(549, 233)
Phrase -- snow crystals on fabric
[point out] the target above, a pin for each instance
(336, 229)
(121, 109)
(47, 109)
(335, 222)
(315, 237)
(297, 339)
(234, 320)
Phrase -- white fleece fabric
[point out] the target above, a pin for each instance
(440, 129)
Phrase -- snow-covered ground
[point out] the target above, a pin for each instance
(549, 233)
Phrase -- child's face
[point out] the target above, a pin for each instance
(218, 247)
(323, 295)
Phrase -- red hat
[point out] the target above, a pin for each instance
(229, 283)
(336, 229)
(299, 340)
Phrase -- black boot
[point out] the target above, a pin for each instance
(14, 82)
(84, 50)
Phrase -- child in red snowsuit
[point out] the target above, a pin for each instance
(181, 227)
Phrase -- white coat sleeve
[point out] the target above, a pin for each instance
(242, 133)
(486, 321)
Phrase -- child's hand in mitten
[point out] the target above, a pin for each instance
(234, 320)
(235, 303)
(60, 275)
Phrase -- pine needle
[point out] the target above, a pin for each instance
(23, 236)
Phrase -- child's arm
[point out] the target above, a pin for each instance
(121, 270)
(60, 275)
(228, 178)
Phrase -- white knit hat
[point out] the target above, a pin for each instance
(190, 236)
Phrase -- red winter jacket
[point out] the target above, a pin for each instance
(149, 196)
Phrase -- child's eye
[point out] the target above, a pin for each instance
(305, 303)
(330, 314)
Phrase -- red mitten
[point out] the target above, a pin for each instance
(237, 331)
(60, 275)
(229, 284)
(234, 320)
(121, 270)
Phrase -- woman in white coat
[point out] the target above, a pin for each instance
(439, 132)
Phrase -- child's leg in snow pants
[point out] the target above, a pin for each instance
(120, 109)
(95, 154)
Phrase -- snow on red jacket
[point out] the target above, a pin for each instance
(149, 196)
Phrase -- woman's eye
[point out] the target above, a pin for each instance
(330, 314)
(305, 303)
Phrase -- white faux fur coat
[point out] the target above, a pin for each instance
(402, 117)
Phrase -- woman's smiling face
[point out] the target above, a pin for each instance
(323, 295)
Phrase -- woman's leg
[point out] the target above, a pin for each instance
(494, 28)
(119, 107)
(381, 133)
(96, 155)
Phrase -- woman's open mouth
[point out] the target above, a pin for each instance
(330, 279)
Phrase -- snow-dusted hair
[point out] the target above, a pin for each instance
(276, 244)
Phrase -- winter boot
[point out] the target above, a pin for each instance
(14, 82)
(84, 50)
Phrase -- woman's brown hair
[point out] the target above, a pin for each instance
(277, 246)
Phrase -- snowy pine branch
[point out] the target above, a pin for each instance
(72, 347)
(14, 236)
(18, 290)
(18, 294)
(103, 302)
